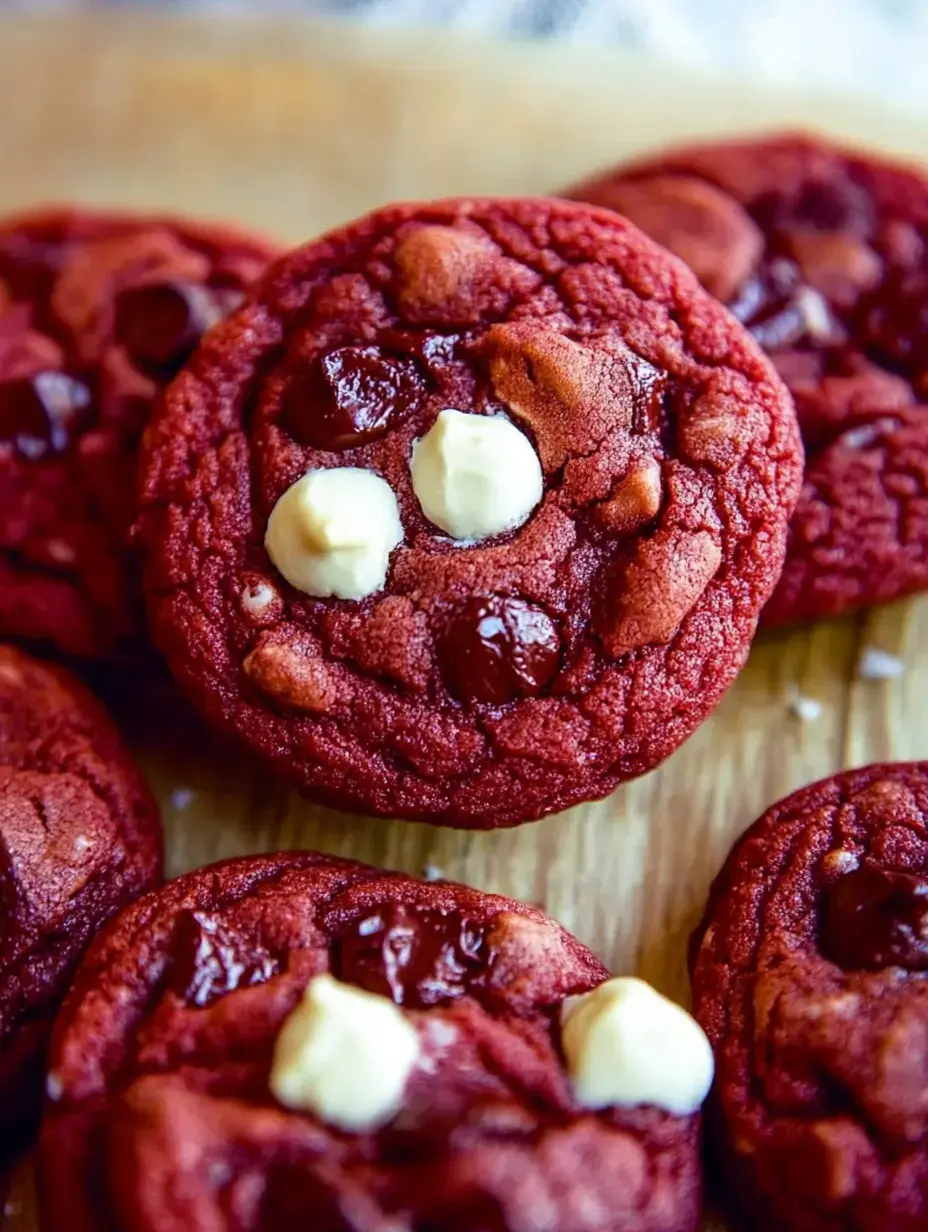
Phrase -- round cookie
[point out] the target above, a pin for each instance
(468, 513)
(809, 978)
(97, 312)
(218, 1065)
(823, 254)
(80, 837)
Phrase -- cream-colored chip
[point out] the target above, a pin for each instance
(332, 532)
(475, 475)
(344, 1055)
(626, 1045)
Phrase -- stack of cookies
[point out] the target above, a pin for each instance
(466, 512)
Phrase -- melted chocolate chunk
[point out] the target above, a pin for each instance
(495, 650)
(42, 414)
(889, 322)
(893, 322)
(348, 397)
(417, 956)
(208, 960)
(650, 389)
(434, 351)
(874, 918)
(821, 205)
(161, 323)
(769, 304)
(30, 266)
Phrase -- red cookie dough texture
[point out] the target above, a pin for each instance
(823, 254)
(80, 838)
(494, 682)
(97, 312)
(809, 976)
(163, 1120)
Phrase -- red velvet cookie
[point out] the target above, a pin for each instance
(167, 1107)
(525, 486)
(823, 254)
(80, 838)
(809, 976)
(97, 311)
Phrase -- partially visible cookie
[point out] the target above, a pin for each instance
(810, 976)
(823, 253)
(97, 312)
(468, 513)
(293, 1041)
(80, 837)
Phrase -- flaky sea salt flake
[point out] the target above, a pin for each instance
(876, 664)
(805, 709)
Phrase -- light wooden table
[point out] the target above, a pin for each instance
(292, 128)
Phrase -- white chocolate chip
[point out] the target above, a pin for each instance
(840, 861)
(332, 532)
(344, 1055)
(867, 434)
(256, 599)
(816, 315)
(475, 475)
(54, 1087)
(876, 664)
(627, 1045)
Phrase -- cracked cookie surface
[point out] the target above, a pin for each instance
(80, 838)
(486, 683)
(163, 1061)
(823, 254)
(808, 976)
(97, 312)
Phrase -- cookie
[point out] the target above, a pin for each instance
(97, 312)
(823, 254)
(468, 513)
(293, 1041)
(80, 838)
(809, 978)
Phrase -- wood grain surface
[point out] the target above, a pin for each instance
(294, 127)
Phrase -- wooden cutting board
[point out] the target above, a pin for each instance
(294, 127)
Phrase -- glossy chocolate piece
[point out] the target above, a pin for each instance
(874, 918)
(416, 956)
(160, 323)
(348, 397)
(43, 413)
(208, 960)
(495, 649)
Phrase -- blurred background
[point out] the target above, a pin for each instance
(876, 47)
(292, 115)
